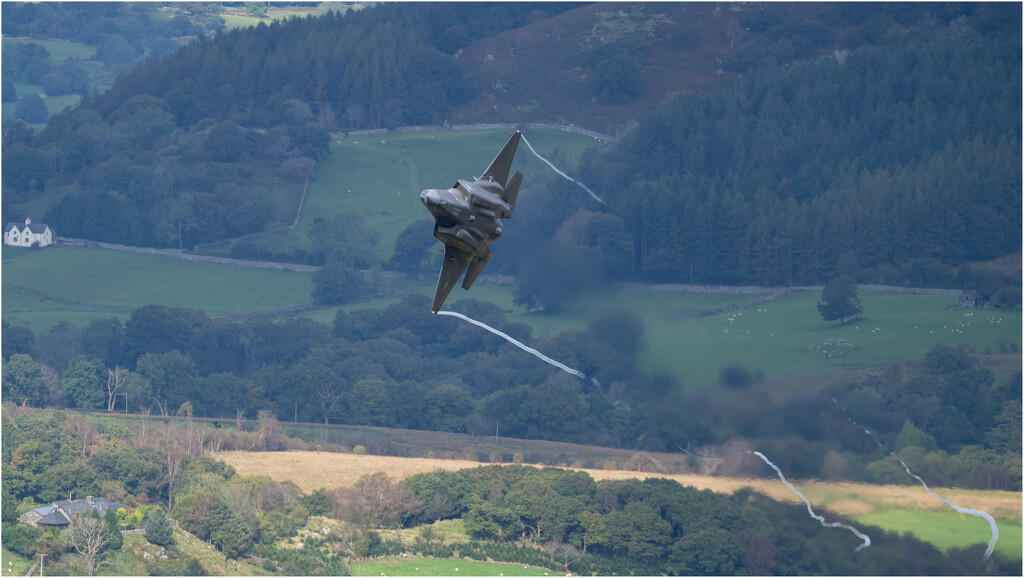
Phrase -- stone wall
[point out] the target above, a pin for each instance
(492, 126)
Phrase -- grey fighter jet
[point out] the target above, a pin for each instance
(468, 219)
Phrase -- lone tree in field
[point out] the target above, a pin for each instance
(839, 300)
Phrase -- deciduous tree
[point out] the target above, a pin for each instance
(88, 537)
(839, 300)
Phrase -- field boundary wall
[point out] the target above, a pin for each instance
(491, 126)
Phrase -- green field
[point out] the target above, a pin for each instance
(13, 564)
(947, 529)
(380, 176)
(59, 50)
(417, 566)
(275, 13)
(774, 337)
(42, 287)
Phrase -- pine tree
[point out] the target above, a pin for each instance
(113, 530)
(158, 529)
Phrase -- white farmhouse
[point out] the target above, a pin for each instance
(27, 235)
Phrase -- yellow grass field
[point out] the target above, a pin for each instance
(315, 470)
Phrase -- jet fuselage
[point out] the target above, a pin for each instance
(467, 215)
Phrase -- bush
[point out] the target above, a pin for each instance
(19, 538)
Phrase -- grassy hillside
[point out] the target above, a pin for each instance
(774, 337)
(380, 177)
(42, 287)
(417, 566)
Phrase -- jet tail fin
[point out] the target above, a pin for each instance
(502, 164)
(511, 193)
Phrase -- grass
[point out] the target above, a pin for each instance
(42, 287)
(131, 561)
(947, 529)
(274, 13)
(380, 177)
(774, 337)
(417, 566)
(59, 50)
(12, 564)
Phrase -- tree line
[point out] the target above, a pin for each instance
(403, 367)
(396, 367)
(656, 526)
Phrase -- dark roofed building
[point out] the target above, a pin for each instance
(60, 514)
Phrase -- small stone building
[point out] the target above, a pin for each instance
(972, 299)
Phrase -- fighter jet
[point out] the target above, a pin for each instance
(468, 219)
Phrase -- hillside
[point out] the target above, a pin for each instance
(328, 471)
(679, 49)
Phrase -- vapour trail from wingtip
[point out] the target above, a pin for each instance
(820, 519)
(959, 509)
(517, 343)
(563, 175)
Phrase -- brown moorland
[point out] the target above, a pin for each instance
(328, 470)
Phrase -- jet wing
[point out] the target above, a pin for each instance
(502, 164)
(455, 262)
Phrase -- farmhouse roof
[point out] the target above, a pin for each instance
(36, 228)
(74, 507)
(61, 513)
(54, 518)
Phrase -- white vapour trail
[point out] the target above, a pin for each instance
(518, 344)
(959, 509)
(979, 513)
(565, 176)
(820, 519)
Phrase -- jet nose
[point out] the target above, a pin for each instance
(424, 197)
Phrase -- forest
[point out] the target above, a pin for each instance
(403, 367)
(893, 164)
(549, 517)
